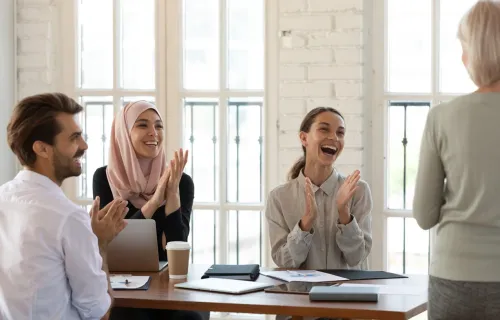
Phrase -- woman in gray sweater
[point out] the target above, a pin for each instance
(458, 181)
(320, 219)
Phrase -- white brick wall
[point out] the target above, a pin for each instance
(36, 27)
(321, 66)
(7, 85)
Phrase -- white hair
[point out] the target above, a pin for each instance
(479, 33)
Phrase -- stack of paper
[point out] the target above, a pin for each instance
(302, 275)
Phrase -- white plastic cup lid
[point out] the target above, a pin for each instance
(178, 245)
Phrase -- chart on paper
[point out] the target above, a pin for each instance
(302, 275)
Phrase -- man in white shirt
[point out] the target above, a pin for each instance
(52, 253)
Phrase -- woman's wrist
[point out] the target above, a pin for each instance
(149, 208)
(305, 224)
(173, 203)
(344, 215)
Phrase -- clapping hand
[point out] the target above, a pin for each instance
(345, 194)
(159, 196)
(175, 169)
(108, 222)
(168, 187)
(311, 208)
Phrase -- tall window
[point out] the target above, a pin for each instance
(204, 64)
(115, 63)
(222, 94)
(422, 62)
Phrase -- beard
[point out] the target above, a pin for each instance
(65, 167)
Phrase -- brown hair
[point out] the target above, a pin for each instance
(305, 126)
(34, 119)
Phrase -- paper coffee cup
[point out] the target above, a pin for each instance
(178, 259)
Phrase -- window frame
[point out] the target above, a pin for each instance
(168, 93)
(176, 93)
(381, 99)
(70, 62)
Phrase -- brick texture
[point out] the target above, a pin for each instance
(321, 65)
(36, 46)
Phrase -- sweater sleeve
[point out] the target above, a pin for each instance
(101, 188)
(429, 184)
(176, 225)
(355, 238)
(289, 248)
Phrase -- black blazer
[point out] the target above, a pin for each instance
(175, 226)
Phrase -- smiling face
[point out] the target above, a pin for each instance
(68, 148)
(325, 140)
(147, 134)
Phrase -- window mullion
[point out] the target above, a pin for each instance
(223, 214)
(435, 36)
(116, 54)
(437, 98)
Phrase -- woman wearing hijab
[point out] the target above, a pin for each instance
(137, 172)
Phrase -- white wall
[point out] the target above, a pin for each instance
(322, 66)
(7, 84)
(325, 65)
(37, 40)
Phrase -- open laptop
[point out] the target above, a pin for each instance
(224, 285)
(135, 248)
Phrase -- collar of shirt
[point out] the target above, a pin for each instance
(39, 179)
(327, 187)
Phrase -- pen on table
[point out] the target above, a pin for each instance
(126, 281)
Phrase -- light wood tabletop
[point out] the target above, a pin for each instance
(163, 295)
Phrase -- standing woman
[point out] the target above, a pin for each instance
(138, 172)
(320, 219)
(458, 181)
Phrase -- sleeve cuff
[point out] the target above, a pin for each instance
(350, 229)
(174, 216)
(106, 305)
(299, 235)
(137, 215)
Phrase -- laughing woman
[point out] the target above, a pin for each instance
(138, 172)
(320, 219)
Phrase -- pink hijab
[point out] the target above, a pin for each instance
(129, 177)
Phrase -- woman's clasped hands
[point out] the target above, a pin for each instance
(343, 199)
(168, 186)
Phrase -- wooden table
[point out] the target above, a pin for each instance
(162, 295)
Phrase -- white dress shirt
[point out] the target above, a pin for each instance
(50, 266)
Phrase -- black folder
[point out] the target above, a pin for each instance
(363, 274)
(248, 272)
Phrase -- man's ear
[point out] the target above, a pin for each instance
(41, 149)
(303, 138)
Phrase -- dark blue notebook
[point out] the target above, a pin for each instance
(363, 274)
(248, 272)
